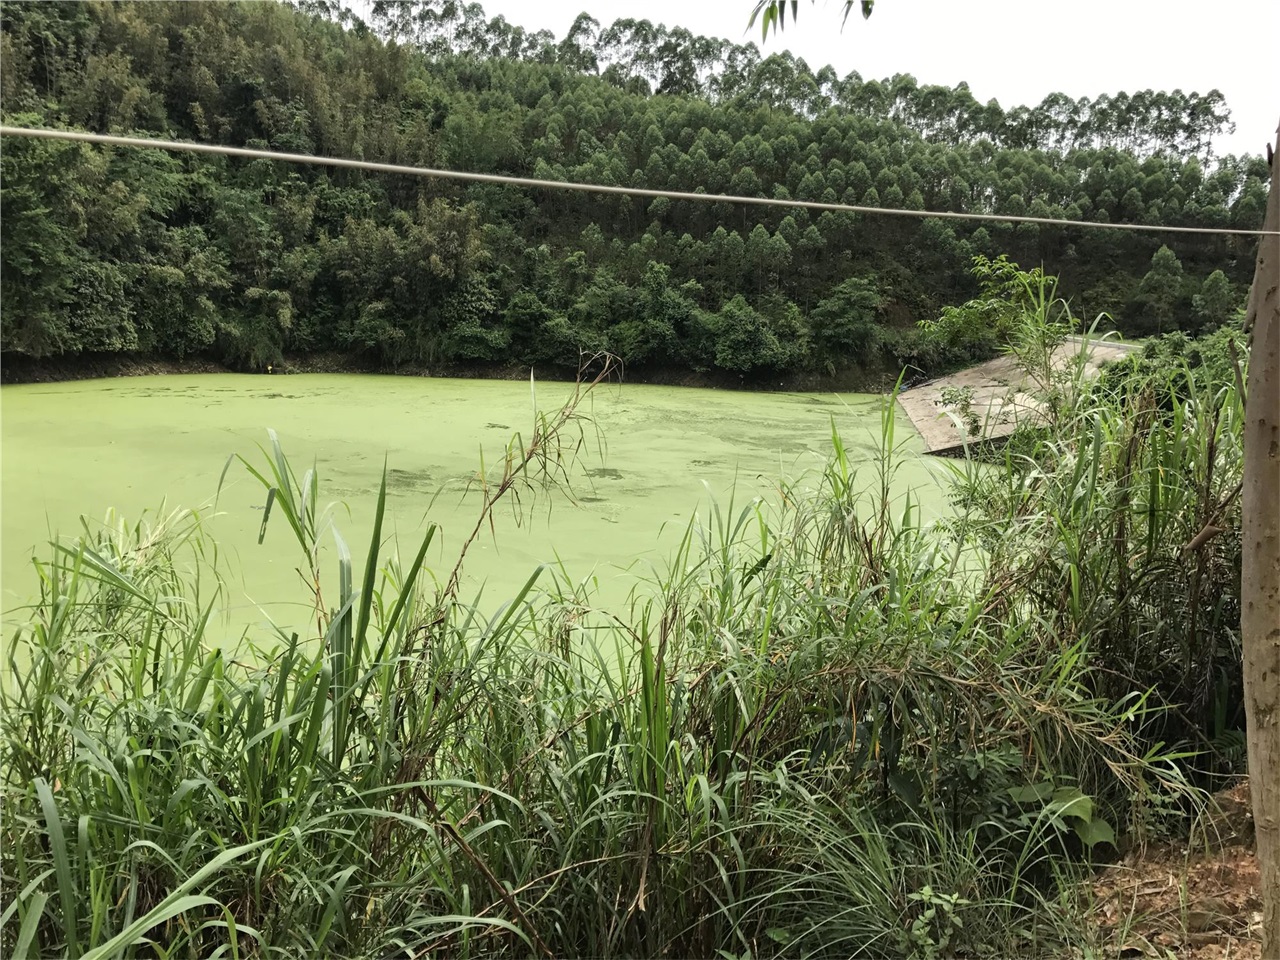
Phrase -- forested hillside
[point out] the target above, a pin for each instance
(144, 252)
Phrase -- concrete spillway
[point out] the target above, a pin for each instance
(1001, 396)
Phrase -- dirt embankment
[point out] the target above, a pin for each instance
(14, 369)
(1200, 900)
(18, 369)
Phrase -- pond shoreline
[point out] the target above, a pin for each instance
(18, 370)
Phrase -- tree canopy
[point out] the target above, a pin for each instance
(135, 251)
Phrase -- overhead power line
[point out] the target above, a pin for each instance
(251, 154)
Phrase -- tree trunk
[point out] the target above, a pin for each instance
(1260, 575)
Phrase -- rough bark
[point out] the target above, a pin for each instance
(1260, 583)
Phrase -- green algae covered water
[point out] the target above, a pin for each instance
(652, 457)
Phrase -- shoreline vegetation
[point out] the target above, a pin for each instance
(25, 370)
(821, 730)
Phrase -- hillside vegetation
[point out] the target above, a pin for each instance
(147, 253)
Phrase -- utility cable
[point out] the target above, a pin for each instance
(252, 154)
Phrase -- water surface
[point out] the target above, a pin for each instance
(652, 456)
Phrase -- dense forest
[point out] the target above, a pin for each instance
(124, 251)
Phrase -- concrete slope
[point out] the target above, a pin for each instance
(1002, 396)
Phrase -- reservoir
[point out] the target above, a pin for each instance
(643, 460)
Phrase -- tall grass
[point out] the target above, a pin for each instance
(822, 730)
(1119, 523)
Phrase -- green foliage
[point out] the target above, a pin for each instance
(997, 318)
(744, 340)
(133, 251)
(1120, 514)
(1162, 291)
(846, 323)
(773, 13)
(648, 327)
(46, 187)
(1216, 303)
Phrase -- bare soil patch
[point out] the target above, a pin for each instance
(1202, 901)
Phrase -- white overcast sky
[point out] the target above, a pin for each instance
(1014, 51)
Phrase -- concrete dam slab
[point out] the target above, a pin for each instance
(1002, 396)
